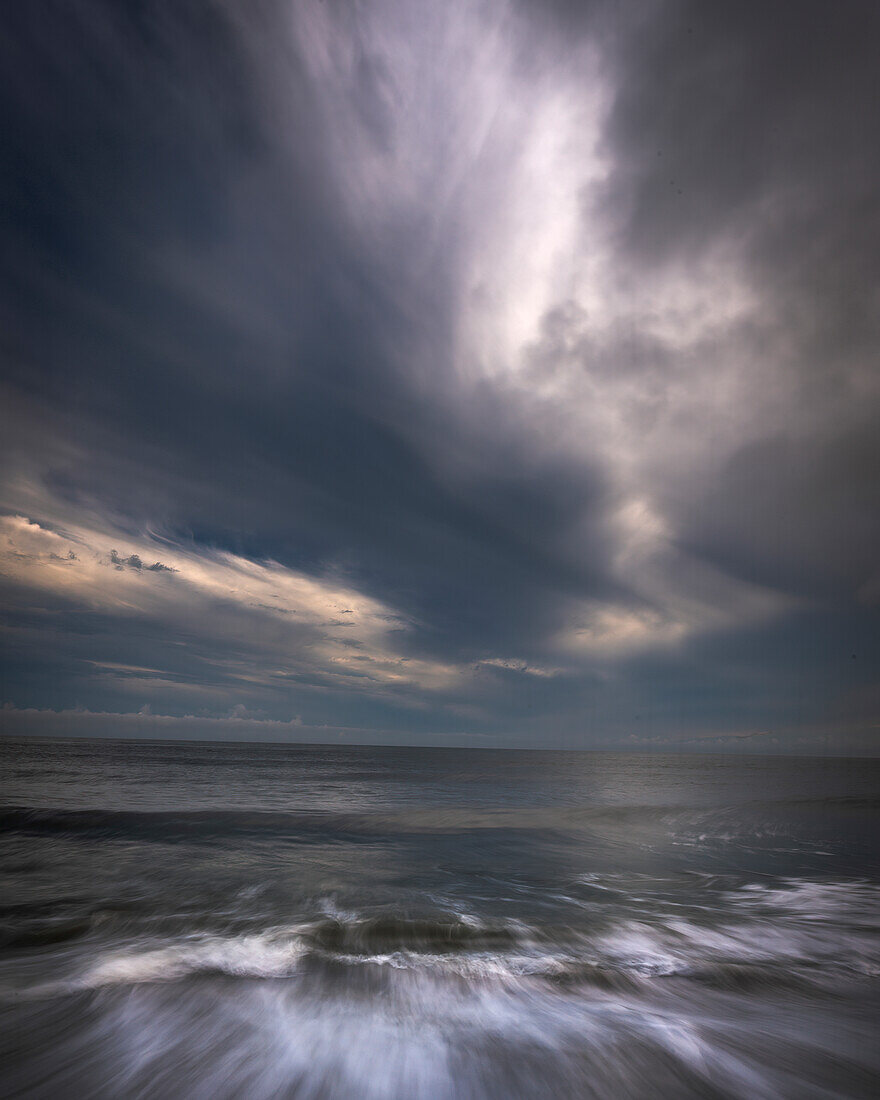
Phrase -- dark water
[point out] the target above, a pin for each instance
(263, 921)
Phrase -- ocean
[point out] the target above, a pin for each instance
(223, 920)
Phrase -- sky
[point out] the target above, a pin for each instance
(486, 372)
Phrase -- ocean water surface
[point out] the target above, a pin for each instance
(206, 920)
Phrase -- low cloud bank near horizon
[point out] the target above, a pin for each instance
(494, 370)
(240, 727)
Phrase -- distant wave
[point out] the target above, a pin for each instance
(173, 824)
(169, 825)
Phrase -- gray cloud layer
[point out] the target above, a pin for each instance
(541, 338)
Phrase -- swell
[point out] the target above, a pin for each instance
(212, 823)
(173, 824)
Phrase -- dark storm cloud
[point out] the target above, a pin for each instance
(799, 514)
(754, 121)
(753, 127)
(293, 431)
(244, 249)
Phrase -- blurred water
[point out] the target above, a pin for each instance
(200, 920)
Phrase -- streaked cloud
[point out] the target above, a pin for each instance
(487, 368)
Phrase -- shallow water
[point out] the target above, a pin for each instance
(217, 921)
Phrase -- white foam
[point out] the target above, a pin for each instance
(269, 955)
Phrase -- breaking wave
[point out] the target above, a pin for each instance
(797, 933)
